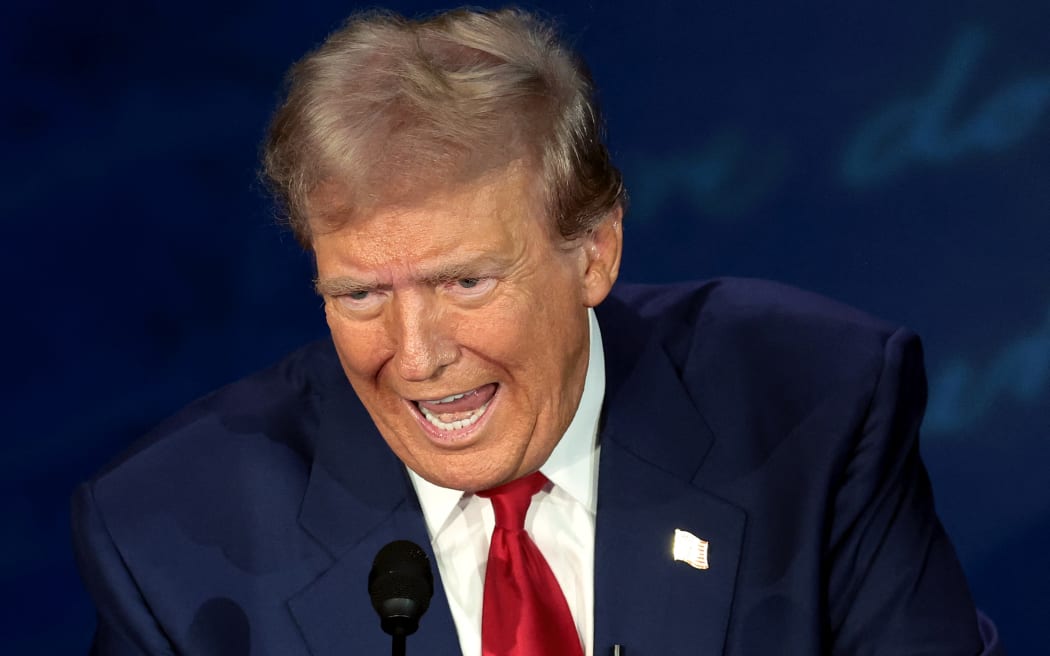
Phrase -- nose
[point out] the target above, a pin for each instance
(425, 343)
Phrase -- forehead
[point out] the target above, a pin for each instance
(490, 218)
(498, 192)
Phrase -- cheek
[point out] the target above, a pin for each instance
(487, 343)
(504, 330)
(530, 341)
(361, 350)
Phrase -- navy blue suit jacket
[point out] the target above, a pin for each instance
(778, 426)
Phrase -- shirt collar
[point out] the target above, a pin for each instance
(572, 466)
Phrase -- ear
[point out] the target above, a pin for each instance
(602, 247)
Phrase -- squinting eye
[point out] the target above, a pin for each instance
(360, 300)
(470, 288)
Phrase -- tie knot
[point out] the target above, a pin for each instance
(510, 501)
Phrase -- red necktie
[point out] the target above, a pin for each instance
(524, 611)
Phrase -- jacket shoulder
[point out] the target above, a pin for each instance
(205, 509)
(758, 352)
(274, 403)
(744, 300)
(252, 439)
(758, 321)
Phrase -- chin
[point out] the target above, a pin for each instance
(467, 476)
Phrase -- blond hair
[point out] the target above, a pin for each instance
(388, 107)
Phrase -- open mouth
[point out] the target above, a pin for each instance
(456, 413)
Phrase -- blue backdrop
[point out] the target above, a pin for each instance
(890, 154)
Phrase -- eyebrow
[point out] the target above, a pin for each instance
(340, 286)
(479, 266)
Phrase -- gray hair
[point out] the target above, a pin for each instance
(388, 107)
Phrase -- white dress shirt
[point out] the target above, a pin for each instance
(560, 520)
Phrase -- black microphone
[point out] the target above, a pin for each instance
(400, 585)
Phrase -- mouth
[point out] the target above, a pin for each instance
(456, 416)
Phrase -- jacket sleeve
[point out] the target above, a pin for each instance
(894, 583)
(126, 627)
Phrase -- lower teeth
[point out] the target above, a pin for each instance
(454, 425)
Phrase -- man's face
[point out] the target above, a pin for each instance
(462, 325)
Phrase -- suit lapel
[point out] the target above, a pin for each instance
(357, 500)
(653, 443)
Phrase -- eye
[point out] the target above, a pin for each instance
(470, 287)
(360, 300)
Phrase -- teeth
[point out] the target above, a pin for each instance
(450, 399)
(454, 425)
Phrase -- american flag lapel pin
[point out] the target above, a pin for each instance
(690, 549)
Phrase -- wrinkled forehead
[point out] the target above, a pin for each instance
(337, 201)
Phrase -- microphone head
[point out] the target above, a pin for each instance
(401, 585)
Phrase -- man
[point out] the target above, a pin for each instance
(730, 467)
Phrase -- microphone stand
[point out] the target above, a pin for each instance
(398, 645)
